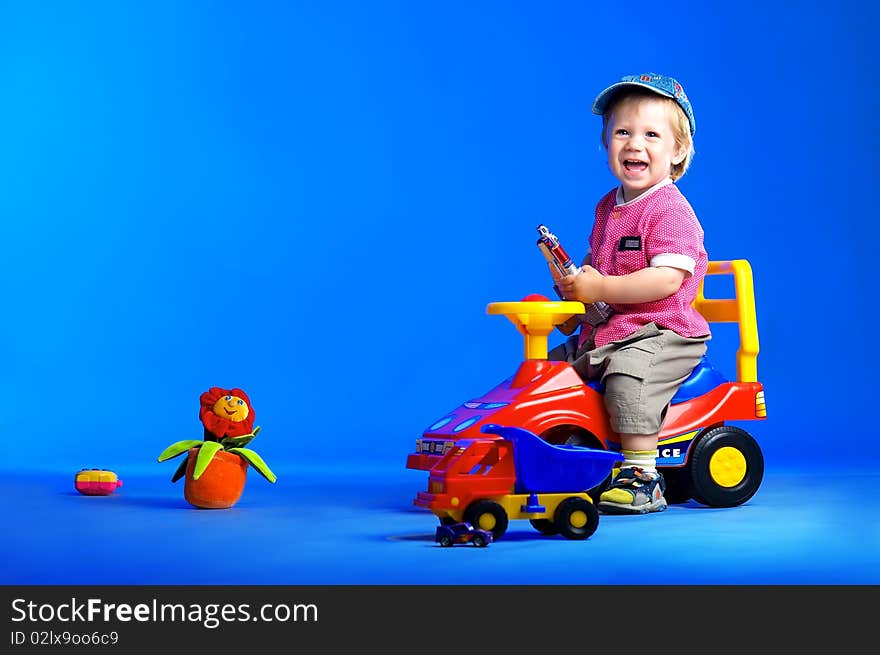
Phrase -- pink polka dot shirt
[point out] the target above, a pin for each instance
(659, 228)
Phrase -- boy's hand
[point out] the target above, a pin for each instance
(554, 272)
(585, 287)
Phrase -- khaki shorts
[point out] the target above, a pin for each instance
(640, 373)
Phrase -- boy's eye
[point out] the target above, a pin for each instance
(652, 134)
(621, 132)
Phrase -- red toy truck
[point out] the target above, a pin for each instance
(489, 480)
(700, 455)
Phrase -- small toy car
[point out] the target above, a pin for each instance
(462, 533)
(96, 482)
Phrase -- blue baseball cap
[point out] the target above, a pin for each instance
(661, 84)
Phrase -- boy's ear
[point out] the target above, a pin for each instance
(680, 154)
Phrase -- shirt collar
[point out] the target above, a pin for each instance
(619, 201)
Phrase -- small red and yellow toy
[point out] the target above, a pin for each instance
(96, 482)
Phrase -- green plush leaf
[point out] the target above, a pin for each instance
(236, 442)
(256, 461)
(206, 454)
(181, 470)
(239, 442)
(178, 448)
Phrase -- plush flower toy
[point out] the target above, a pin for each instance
(225, 413)
(228, 419)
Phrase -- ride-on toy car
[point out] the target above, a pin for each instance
(700, 455)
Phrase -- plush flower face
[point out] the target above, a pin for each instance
(226, 412)
(232, 408)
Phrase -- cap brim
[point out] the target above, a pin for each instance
(600, 104)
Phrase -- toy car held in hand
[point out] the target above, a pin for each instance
(701, 456)
(462, 533)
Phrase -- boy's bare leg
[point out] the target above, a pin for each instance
(642, 442)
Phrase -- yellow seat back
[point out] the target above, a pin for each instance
(740, 309)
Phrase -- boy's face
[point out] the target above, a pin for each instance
(641, 144)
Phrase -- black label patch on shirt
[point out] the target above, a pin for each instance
(630, 243)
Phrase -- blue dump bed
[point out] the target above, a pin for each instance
(544, 468)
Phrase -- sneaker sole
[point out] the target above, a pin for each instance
(617, 508)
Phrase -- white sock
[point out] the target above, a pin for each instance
(643, 459)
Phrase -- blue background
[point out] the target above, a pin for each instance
(316, 201)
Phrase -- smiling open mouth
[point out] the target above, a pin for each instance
(231, 412)
(634, 165)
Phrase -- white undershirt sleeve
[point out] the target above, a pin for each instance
(682, 262)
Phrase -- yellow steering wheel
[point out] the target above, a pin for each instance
(535, 320)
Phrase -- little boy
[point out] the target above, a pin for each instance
(646, 260)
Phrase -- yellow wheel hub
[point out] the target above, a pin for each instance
(727, 466)
(577, 519)
(486, 522)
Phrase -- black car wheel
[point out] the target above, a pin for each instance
(479, 541)
(726, 467)
(445, 540)
(487, 515)
(678, 486)
(544, 526)
(576, 518)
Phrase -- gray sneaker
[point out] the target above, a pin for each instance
(634, 491)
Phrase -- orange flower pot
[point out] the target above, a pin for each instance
(222, 483)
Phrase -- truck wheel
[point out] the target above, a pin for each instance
(544, 526)
(726, 467)
(576, 518)
(487, 515)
